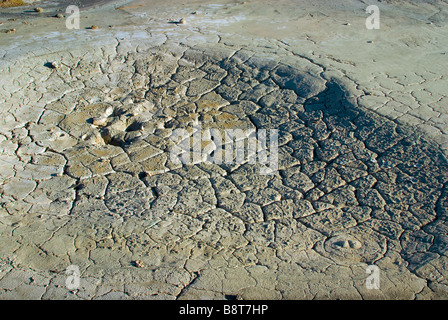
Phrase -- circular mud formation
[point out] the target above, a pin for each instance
(94, 184)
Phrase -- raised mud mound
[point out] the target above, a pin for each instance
(352, 188)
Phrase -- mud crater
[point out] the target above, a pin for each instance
(345, 173)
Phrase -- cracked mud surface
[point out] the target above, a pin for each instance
(88, 181)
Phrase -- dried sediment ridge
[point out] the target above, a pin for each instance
(88, 181)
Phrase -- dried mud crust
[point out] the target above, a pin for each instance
(88, 181)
